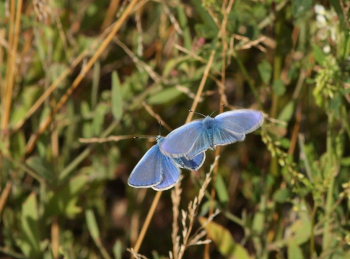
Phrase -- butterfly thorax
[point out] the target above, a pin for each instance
(209, 124)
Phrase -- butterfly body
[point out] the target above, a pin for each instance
(195, 137)
(209, 126)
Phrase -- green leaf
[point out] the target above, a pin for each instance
(318, 54)
(164, 96)
(300, 231)
(300, 7)
(118, 249)
(278, 87)
(64, 201)
(265, 71)
(259, 217)
(294, 251)
(287, 112)
(95, 83)
(224, 240)
(221, 189)
(338, 8)
(99, 118)
(117, 99)
(92, 224)
(42, 167)
(30, 225)
(282, 195)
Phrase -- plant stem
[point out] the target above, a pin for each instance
(331, 174)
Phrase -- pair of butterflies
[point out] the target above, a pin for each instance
(185, 147)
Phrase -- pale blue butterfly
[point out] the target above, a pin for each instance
(159, 171)
(196, 137)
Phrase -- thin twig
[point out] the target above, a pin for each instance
(201, 86)
(176, 198)
(113, 138)
(147, 221)
(156, 78)
(4, 196)
(156, 116)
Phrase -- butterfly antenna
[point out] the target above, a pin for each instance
(198, 113)
(212, 113)
(144, 137)
(160, 128)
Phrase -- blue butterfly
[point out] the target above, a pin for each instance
(159, 171)
(196, 137)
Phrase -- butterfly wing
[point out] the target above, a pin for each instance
(188, 140)
(240, 121)
(224, 137)
(170, 172)
(191, 164)
(148, 171)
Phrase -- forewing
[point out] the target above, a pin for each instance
(170, 172)
(191, 164)
(180, 141)
(148, 171)
(240, 121)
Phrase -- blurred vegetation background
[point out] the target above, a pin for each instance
(73, 73)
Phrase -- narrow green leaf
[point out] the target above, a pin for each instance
(30, 225)
(287, 112)
(319, 55)
(95, 84)
(265, 71)
(300, 7)
(164, 96)
(118, 249)
(42, 167)
(221, 189)
(224, 240)
(92, 224)
(117, 99)
(278, 87)
(294, 251)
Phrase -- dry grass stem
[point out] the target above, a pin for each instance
(147, 221)
(5, 195)
(201, 86)
(156, 78)
(136, 255)
(156, 116)
(176, 198)
(188, 219)
(114, 138)
(11, 64)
